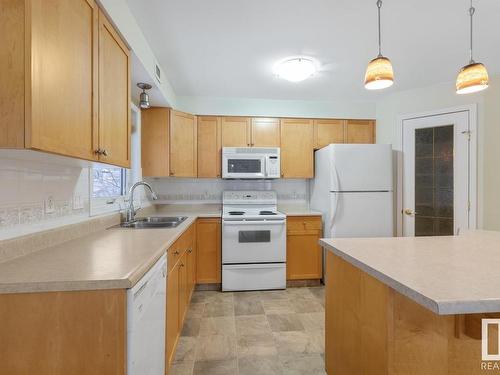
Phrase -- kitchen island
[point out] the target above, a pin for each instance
(411, 305)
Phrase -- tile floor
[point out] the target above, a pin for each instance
(253, 333)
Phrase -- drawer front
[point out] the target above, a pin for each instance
(174, 253)
(183, 243)
(303, 223)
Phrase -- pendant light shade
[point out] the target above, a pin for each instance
(473, 77)
(379, 74)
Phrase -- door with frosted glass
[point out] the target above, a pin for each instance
(436, 182)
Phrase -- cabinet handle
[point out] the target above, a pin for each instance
(182, 265)
(190, 251)
(100, 151)
(176, 252)
(172, 173)
(282, 174)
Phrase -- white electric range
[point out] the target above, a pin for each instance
(253, 241)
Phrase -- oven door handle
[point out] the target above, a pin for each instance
(266, 222)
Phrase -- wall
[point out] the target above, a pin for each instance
(277, 108)
(183, 190)
(443, 96)
(26, 184)
(29, 178)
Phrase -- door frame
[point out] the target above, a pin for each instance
(472, 112)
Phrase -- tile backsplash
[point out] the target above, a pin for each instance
(35, 192)
(184, 190)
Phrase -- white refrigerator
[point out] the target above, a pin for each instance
(353, 188)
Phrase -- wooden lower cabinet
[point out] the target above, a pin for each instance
(172, 313)
(304, 260)
(180, 287)
(59, 333)
(208, 265)
(371, 329)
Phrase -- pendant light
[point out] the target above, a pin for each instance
(144, 97)
(474, 76)
(379, 73)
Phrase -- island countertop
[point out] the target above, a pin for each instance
(447, 275)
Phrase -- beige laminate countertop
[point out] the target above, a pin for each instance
(447, 275)
(115, 258)
(297, 210)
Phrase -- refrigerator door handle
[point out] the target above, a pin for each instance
(335, 203)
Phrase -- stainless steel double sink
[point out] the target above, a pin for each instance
(154, 222)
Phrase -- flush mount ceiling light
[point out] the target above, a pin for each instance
(473, 77)
(144, 97)
(379, 73)
(296, 69)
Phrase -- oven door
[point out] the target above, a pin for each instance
(262, 241)
(243, 166)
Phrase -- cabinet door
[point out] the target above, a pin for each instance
(236, 131)
(209, 146)
(265, 132)
(297, 148)
(303, 253)
(208, 264)
(183, 145)
(114, 96)
(360, 131)
(64, 65)
(155, 142)
(327, 132)
(183, 288)
(173, 327)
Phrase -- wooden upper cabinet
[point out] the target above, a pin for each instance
(65, 81)
(236, 131)
(209, 146)
(64, 58)
(327, 132)
(265, 132)
(360, 131)
(155, 135)
(114, 96)
(183, 144)
(297, 158)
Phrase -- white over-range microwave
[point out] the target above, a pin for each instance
(250, 162)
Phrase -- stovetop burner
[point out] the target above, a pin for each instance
(234, 213)
(267, 213)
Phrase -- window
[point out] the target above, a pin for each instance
(108, 181)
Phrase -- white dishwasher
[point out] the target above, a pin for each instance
(146, 312)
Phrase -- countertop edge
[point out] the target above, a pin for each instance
(414, 295)
(440, 307)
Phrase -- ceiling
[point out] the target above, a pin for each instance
(227, 48)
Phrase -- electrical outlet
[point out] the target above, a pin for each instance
(50, 205)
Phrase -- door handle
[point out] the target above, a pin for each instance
(410, 212)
